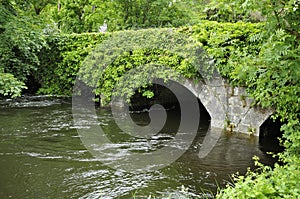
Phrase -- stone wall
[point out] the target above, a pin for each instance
(230, 108)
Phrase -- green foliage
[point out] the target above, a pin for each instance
(71, 15)
(10, 86)
(124, 51)
(233, 11)
(60, 63)
(88, 15)
(21, 36)
(280, 182)
(125, 83)
(152, 13)
(98, 12)
(35, 7)
(226, 41)
(291, 139)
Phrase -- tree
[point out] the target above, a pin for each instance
(88, 15)
(21, 36)
(152, 13)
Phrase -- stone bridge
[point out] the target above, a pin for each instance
(229, 107)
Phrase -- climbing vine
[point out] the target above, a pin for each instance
(67, 53)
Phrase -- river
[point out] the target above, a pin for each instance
(42, 156)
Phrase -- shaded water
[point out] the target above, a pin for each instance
(42, 156)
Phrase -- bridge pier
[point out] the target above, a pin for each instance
(230, 108)
(242, 114)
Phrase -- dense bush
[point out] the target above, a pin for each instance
(21, 38)
(10, 86)
(280, 182)
(60, 62)
(223, 40)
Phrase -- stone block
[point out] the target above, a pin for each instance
(235, 100)
(249, 101)
(223, 99)
(217, 123)
(235, 119)
(205, 98)
(236, 110)
(216, 111)
(239, 91)
(243, 128)
(253, 117)
(215, 82)
(220, 91)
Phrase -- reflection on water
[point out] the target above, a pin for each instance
(41, 156)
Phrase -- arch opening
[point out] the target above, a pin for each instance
(164, 96)
(269, 135)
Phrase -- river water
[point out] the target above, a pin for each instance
(42, 156)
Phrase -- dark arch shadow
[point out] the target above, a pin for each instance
(164, 97)
(269, 136)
